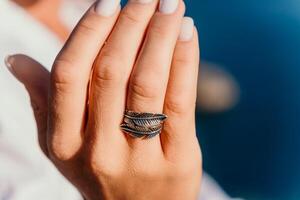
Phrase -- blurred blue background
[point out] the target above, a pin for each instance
(253, 149)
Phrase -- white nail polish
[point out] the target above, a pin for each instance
(142, 1)
(187, 29)
(168, 6)
(107, 8)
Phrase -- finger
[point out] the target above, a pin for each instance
(70, 77)
(150, 75)
(179, 129)
(114, 65)
(36, 81)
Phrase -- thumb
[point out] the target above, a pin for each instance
(35, 78)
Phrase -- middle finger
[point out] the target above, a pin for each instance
(113, 67)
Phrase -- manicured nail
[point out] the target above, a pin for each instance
(187, 29)
(9, 62)
(141, 1)
(107, 8)
(168, 6)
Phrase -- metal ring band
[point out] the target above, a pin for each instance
(142, 125)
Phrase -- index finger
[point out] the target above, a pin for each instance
(70, 77)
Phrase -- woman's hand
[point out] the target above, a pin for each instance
(116, 60)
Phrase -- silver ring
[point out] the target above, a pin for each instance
(142, 125)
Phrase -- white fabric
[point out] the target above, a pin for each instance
(25, 173)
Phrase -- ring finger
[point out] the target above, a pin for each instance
(148, 83)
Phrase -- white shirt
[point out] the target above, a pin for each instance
(25, 173)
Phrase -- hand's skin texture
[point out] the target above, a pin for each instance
(143, 67)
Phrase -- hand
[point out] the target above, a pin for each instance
(116, 60)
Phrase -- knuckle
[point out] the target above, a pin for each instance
(106, 73)
(157, 29)
(159, 32)
(176, 105)
(63, 72)
(58, 152)
(185, 58)
(131, 16)
(105, 167)
(61, 147)
(88, 26)
(109, 70)
(144, 89)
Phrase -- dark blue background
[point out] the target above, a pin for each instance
(253, 150)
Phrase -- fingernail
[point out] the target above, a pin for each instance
(168, 6)
(107, 8)
(187, 29)
(9, 63)
(141, 1)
